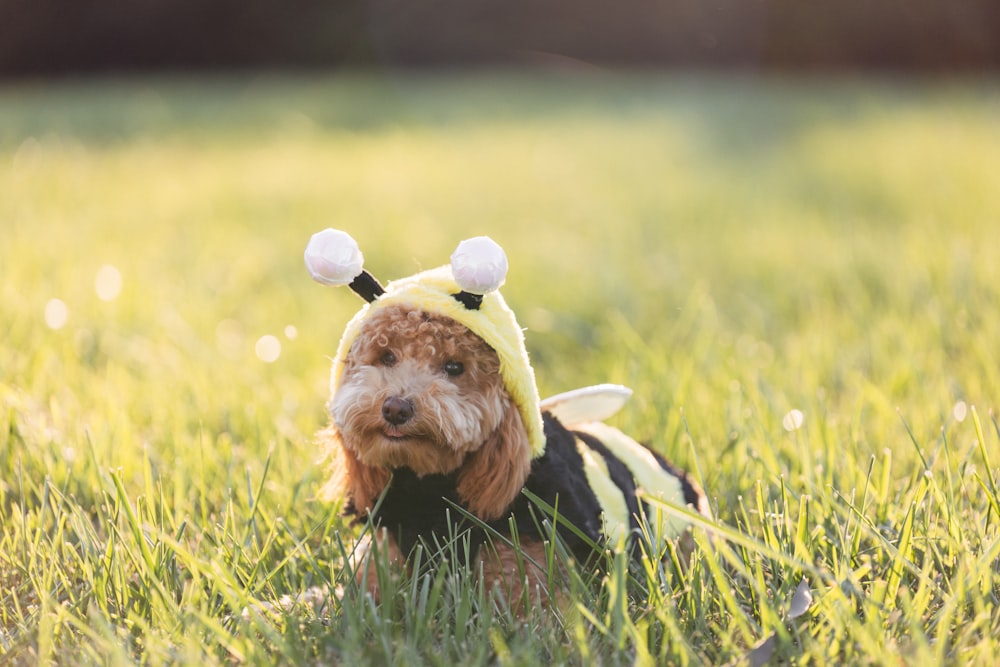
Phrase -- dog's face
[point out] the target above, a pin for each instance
(421, 390)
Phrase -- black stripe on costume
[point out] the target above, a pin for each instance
(620, 475)
(415, 508)
(692, 495)
(558, 478)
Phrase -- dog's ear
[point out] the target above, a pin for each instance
(494, 474)
(349, 477)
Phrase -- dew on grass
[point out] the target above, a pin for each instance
(108, 283)
(268, 348)
(56, 314)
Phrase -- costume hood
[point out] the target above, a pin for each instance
(465, 291)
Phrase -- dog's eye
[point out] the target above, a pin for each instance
(387, 359)
(454, 368)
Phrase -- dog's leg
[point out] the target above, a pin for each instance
(364, 564)
(520, 575)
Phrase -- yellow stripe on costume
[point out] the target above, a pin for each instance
(609, 496)
(651, 480)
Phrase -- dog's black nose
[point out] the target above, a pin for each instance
(397, 411)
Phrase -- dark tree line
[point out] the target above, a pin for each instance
(42, 37)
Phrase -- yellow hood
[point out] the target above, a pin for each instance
(433, 291)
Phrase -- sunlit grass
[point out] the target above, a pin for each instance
(800, 280)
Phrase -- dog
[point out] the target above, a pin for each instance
(436, 431)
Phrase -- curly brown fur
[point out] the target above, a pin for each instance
(463, 422)
(519, 574)
(365, 570)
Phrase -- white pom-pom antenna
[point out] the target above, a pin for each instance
(479, 266)
(333, 258)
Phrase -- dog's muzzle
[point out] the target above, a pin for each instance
(397, 411)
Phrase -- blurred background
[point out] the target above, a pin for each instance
(775, 220)
(52, 37)
(749, 208)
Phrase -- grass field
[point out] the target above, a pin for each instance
(799, 279)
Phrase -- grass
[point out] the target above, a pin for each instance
(800, 280)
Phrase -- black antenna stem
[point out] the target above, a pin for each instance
(367, 287)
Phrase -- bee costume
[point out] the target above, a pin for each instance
(597, 478)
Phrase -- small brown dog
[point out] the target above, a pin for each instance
(436, 419)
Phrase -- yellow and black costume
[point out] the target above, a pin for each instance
(595, 476)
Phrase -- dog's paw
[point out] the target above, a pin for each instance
(315, 598)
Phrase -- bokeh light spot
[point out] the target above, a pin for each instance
(56, 314)
(108, 283)
(793, 420)
(268, 348)
(291, 333)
